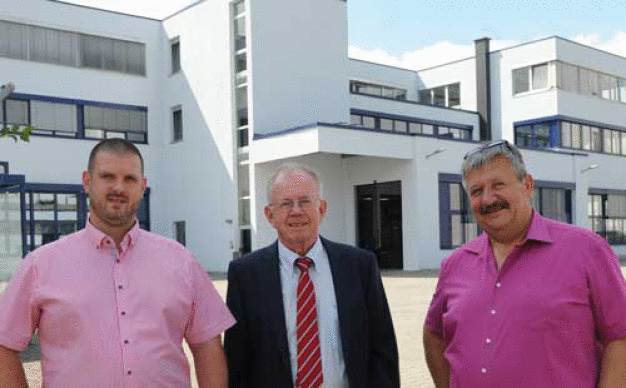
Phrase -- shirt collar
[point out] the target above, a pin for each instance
(289, 257)
(99, 239)
(537, 231)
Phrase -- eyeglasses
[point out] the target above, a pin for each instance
(304, 204)
(499, 143)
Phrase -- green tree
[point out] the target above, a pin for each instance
(16, 132)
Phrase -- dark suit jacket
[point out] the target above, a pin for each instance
(256, 346)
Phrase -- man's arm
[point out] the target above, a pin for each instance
(438, 366)
(613, 371)
(236, 337)
(384, 370)
(210, 363)
(11, 371)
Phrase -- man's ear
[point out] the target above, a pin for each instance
(86, 179)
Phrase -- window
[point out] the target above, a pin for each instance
(240, 33)
(359, 87)
(571, 135)
(530, 78)
(407, 125)
(50, 215)
(16, 112)
(103, 122)
(520, 80)
(179, 232)
(446, 95)
(53, 117)
(175, 55)
(177, 124)
(60, 117)
(454, 95)
(567, 77)
(540, 76)
(607, 214)
(524, 136)
(40, 44)
(553, 203)
(581, 80)
(457, 224)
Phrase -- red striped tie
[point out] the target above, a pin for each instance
(309, 374)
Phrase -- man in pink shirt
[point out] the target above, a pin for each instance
(531, 302)
(112, 302)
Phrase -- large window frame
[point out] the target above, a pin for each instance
(570, 133)
(409, 125)
(69, 48)
(378, 90)
(612, 227)
(81, 126)
(448, 95)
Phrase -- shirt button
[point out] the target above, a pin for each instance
(123, 312)
(488, 340)
(483, 370)
(493, 312)
(126, 341)
(498, 285)
(130, 372)
(119, 287)
(117, 261)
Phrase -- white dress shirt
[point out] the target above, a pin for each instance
(333, 365)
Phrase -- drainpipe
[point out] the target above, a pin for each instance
(483, 87)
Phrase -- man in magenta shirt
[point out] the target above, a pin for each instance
(112, 302)
(531, 302)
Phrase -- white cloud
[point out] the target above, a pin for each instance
(615, 44)
(445, 51)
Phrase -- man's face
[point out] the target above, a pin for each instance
(500, 202)
(115, 187)
(296, 210)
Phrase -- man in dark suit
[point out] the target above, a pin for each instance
(310, 312)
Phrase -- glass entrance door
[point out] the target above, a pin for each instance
(379, 222)
(11, 236)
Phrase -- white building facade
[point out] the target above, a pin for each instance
(219, 94)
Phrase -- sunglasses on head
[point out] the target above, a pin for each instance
(499, 143)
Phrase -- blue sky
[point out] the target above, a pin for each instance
(399, 26)
(422, 33)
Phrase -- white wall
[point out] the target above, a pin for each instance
(298, 63)
(197, 174)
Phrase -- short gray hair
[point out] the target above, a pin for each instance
(485, 153)
(288, 168)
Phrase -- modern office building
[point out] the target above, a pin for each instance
(219, 94)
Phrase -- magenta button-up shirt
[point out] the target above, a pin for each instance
(538, 322)
(110, 318)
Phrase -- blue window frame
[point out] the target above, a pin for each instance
(409, 125)
(570, 133)
(80, 119)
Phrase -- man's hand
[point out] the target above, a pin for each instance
(434, 348)
(11, 371)
(210, 364)
(613, 372)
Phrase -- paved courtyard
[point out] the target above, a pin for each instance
(409, 294)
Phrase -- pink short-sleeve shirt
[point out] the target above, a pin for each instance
(109, 318)
(541, 320)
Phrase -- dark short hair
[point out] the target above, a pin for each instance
(116, 146)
